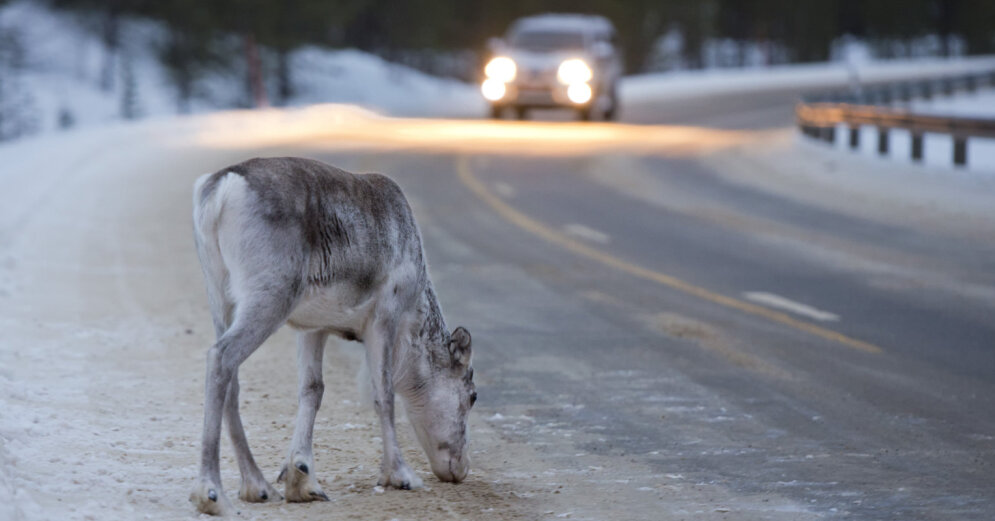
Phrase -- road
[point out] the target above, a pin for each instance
(661, 329)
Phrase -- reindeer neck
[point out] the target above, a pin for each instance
(433, 331)
(428, 344)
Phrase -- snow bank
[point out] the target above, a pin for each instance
(980, 104)
(60, 73)
(647, 87)
(61, 67)
(355, 77)
(937, 148)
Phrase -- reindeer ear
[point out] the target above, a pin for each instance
(459, 346)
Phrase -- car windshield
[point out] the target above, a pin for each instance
(547, 40)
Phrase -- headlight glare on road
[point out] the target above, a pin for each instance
(502, 69)
(579, 93)
(574, 71)
(493, 89)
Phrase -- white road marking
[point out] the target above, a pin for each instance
(588, 234)
(779, 302)
(504, 189)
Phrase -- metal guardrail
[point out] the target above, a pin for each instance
(819, 116)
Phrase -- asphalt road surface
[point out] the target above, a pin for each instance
(658, 334)
(716, 332)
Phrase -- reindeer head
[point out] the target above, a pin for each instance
(439, 405)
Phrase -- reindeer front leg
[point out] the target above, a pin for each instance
(380, 345)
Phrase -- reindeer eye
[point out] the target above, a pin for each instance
(473, 398)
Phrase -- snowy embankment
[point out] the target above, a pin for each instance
(980, 104)
(938, 149)
(63, 77)
(647, 87)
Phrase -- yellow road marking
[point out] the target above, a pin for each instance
(537, 228)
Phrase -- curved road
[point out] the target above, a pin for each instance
(654, 337)
(675, 320)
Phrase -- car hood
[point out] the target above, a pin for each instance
(543, 60)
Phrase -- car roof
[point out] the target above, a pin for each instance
(563, 22)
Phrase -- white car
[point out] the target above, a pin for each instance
(555, 60)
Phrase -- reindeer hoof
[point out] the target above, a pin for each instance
(207, 498)
(299, 484)
(402, 478)
(258, 491)
(304, 496)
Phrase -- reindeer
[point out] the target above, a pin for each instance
(296, 241)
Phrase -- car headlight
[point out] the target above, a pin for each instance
(493, 89)
(502, 69)
(574, 71)
(579, 93)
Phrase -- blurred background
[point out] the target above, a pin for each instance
(67, 62)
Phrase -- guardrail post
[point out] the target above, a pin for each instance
(917, 146)
(960, 150)
(854, 137)
(829, 134)
(883, 140)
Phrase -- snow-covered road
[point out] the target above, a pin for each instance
(105, 328)
(105, 323)
(104, 333)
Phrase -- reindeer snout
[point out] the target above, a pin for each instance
(452, 469)
(459, 468)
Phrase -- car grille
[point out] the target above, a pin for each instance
(536, 77)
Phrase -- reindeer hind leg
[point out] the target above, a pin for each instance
(254, 321)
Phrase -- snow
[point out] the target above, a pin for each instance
(359, 78)
(647, 87)
(937, 148)
(62, 65)
(103, 226)
(980, 104)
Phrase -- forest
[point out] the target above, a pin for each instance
(201, 30)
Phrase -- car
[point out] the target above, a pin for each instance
(555, 60)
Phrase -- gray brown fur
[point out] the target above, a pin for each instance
(292, 240)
